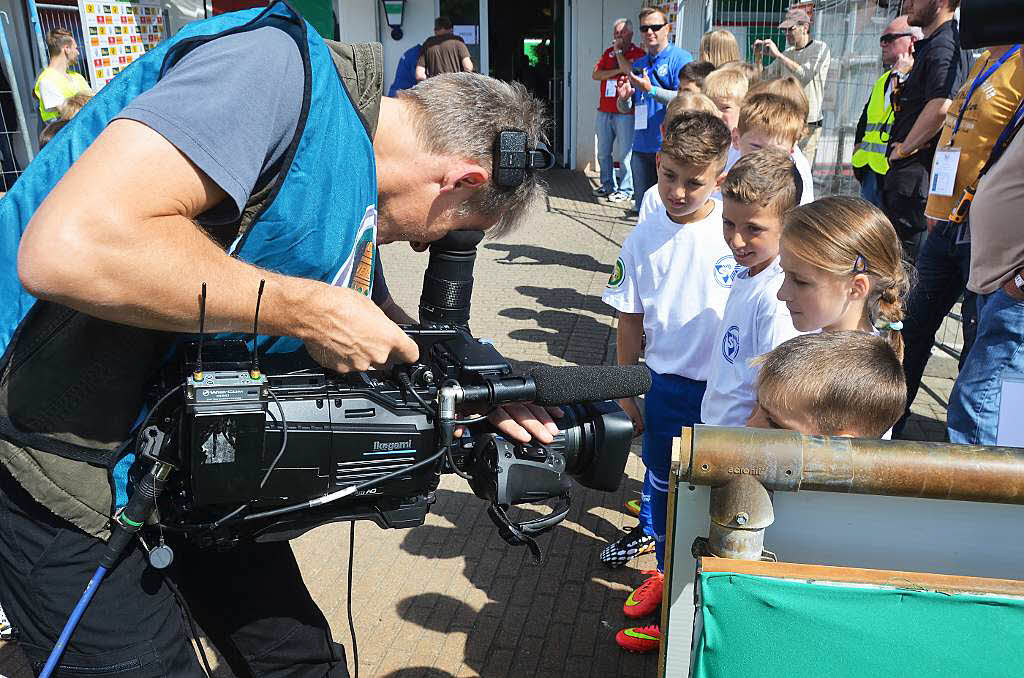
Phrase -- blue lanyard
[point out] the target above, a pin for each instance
(982, 77)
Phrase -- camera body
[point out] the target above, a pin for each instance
(346, 429)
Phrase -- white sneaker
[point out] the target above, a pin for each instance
(5, 626)
(619, 196)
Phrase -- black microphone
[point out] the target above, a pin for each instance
(568, 385)
(573, 384)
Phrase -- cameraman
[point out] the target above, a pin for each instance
(244, 148)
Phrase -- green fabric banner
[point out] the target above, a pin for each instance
(765, 627)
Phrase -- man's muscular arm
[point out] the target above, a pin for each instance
(141, 260)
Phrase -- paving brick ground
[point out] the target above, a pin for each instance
(450, 598)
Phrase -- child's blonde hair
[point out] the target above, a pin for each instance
(726, 84)
(774, 115)
(718, 47)
(845, 236)
(689, 101)
(865, 397)
(73, 104)
(786, 86)
(747, 69)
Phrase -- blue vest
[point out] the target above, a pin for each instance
(309, 229)
(317, 221)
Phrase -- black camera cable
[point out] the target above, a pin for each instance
(348, 600)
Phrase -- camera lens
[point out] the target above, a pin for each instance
(595, 440)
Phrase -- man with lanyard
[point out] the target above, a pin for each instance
(872, 135)
(920, 103)
(806, 60)
(612, 125)
(661, 65)
(294, 188)
(982, 109)
(57, 83)
(997, 280)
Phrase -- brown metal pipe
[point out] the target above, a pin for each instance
(788, 461)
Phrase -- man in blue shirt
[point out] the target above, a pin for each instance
(661, 65)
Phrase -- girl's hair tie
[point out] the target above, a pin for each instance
(886, 325)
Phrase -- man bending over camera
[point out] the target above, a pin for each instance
(245, 148)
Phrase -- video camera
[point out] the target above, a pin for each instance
(269, 447)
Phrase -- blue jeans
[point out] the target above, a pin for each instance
(615, 129)
(973, 416)
(672, 403)
(645, 175)
(942, 271)
(871, 187)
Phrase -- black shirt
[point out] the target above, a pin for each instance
(940, 67)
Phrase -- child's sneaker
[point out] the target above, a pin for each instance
(633, 507)
(5, 626)
(632, 544)
(639, 638)
(619, 196)
(646, 598)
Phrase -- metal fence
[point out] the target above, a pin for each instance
(15, 144)
(851, 29)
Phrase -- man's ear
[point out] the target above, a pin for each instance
(464, 175)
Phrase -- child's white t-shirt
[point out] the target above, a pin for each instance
(679, 277)
(802, 166)
(754, 322)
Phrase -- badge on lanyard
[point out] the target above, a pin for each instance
(944, 171)
(640, 117)
(609, 88)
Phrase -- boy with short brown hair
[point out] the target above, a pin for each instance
(726, 87)
(759, 189)
(799, 387)
(670, 284)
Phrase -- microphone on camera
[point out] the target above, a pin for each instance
(575, 384)
(568, 385)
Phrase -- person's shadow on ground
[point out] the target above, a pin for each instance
(558, 618)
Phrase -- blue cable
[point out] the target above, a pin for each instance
(69, 628)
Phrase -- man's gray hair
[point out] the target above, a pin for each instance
(460, 115)
(622, 20)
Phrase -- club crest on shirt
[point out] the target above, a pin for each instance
(663, 70)
(731, 344)
(618, 274)
(357, 271)
(725, 271)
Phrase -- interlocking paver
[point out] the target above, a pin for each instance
(450, 598)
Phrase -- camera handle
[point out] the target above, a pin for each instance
(518, 534)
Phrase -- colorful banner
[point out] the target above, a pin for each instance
(116, 34)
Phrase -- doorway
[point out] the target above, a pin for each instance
(526, 43)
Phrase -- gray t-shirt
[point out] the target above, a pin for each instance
(230, 106)
(813, 61)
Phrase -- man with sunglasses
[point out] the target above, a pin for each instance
(661, 65)
(920, 104)
(805, 59)
(872, 137)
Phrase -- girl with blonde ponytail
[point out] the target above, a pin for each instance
(844, 269)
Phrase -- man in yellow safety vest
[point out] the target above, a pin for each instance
(56, 83)
(872, 136)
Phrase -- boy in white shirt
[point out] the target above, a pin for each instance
(759, 189)
(671, 283)
(769, 120)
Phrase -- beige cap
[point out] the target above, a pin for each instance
(794, 17)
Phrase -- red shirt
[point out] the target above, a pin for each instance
(606, 63)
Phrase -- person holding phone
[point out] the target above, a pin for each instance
(658, 69)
